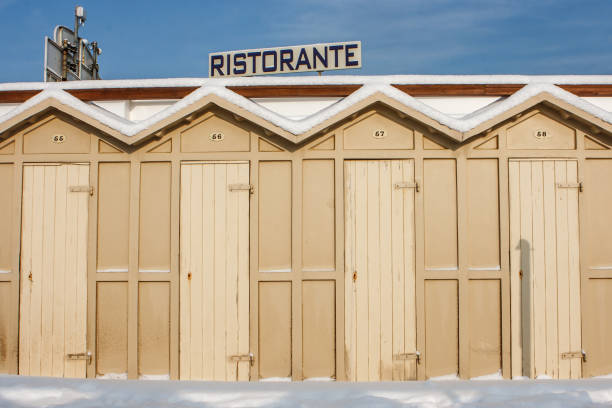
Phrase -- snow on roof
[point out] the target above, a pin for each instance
(317, 80)
(297, 127)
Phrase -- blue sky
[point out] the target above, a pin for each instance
(149, 39)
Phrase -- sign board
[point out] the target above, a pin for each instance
(285, 60)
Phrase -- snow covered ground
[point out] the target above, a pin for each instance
(51, 392)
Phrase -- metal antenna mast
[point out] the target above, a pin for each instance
(69, 57)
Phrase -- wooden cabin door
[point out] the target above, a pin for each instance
(545, 273)
(53, 303)
(214, 277)
(380, 314)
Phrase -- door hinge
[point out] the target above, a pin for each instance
(570, 355)
(409, 356)
(407, 184)
(243, 357)
(242, 187)
(571, 185)
(80, 356)
(82, 189)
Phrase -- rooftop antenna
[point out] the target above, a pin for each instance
(69, 57)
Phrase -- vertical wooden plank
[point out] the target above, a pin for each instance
(133, 275)
(81, 278)
(409, 275)
(562, 267)
(386, 274)
(219, 278)
(515, 267)
(185, 274)
(47, 275)
(575, 339)
(177, 275)
(296, 266)
(207, 258)
(350, 268)
(197, 274)
(373, 262)
(72, 205)
(25, 310)
(398, 287)
(231, 273)
(37, 270)
(539, 271)
(550, 257)
(243, 272)
(361, 309)
(59, 266)
(526, 244)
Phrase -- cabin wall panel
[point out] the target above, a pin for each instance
(41, 139)
(483, 214)
(199, 137)
(485, 326)
(440, 213)
(6, 318)
(318, 214)
(113, 216)
(7, 198)
(319, 329)
(597, 326)
(597, 266)
(154, 235)
(154, 328)
(361, 134)
(275, 216)
(112, 329)
(528, 134)
(441, 328)
(275, 329)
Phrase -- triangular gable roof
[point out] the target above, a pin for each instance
(296, 131)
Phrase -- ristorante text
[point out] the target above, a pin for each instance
(301, 58)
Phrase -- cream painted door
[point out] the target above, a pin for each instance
(380, 317)
(53, 303)
(214, 278)
(545, 274)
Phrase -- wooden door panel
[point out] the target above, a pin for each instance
(214, 280)
(54, 270)
(380, 329)
(545, 275)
